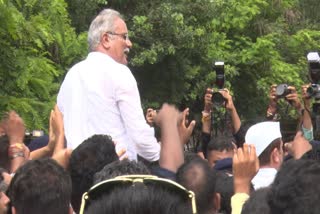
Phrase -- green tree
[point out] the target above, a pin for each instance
(37, 45)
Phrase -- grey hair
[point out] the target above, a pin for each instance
(102, 23)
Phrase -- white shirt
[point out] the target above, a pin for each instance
(100, 96)
(264, 178)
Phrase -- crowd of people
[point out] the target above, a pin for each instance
(101, 154)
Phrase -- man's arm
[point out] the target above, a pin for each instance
(236, 122)
(15, 129)
(142, 135)
(171, 154)
(272, 110)
(56, 136)
(305, 118)
(245, 167)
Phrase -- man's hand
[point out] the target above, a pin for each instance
(14, 127)
(293, 98)
(56, 131)
(185, 129)
(245, 167)
(167, 114)
(306, 99)
(171, 154)
(299, 146)
(229, 103)
(207, 100)
(273, 100)
(150, 115)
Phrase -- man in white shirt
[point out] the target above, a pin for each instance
(99, 95)
(266, 137)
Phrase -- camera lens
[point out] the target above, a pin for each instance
(314, 91)
(217, 99)
(282, 90)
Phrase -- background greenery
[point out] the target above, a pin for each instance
(175, 44)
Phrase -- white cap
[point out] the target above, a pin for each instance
(262, 134)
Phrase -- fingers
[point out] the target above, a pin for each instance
(121, 152)
(191, 127)
(289, 148)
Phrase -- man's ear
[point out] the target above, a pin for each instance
(105, 41)
(217, 201)
(276, 157)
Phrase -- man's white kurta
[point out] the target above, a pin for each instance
(100, 96)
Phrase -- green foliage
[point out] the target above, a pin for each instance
(35, 39)
(174, 46)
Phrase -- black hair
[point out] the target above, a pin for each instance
(87, 159)
(117, 168)
(196, 175)
(296, 188)
(224, 186)
(257, 203)
(221, 143)
(140, 198)
(40, 186)
(4, 157)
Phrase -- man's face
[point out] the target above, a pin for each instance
(214, 156)
(119, 43)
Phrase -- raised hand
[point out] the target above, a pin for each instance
(185, 128)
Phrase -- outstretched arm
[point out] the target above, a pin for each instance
(171, 153)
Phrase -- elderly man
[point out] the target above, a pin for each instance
(100, 95)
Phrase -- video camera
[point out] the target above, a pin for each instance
(217, 98)
(314, 73)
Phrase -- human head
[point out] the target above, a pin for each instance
(4, 199)
(257, 203)
(40, 186)
(266, 137)
(117, 168)
(296, 188)
(219, 148)
(106, 34)
(197, 176)
(138, 194)
(87, 159)
(224, 186)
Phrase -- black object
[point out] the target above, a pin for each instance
(217, 99)
(219, 68)
(282, 90)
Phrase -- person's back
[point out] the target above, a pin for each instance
(40, 186)
(100, 95)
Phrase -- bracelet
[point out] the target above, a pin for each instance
(17, 154)
(15, 148)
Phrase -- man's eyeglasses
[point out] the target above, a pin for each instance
(107, 185)
(124, 36)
